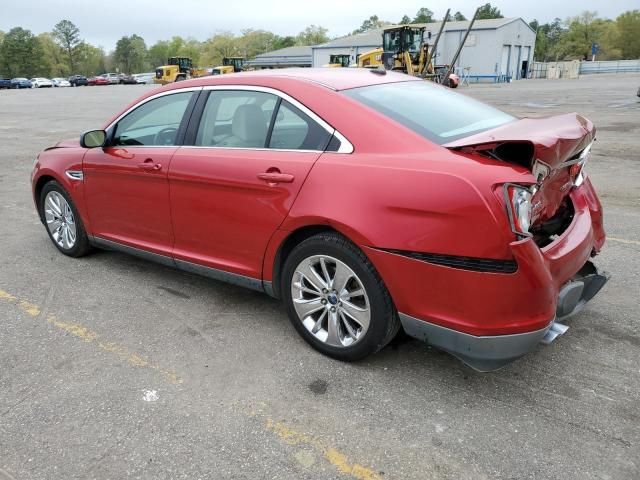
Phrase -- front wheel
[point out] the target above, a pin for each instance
(335, 298)
(62, 221)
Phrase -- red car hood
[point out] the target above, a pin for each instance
(555, 141)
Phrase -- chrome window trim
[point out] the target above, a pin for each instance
(345, 145)
(148, 99)
(257, 149)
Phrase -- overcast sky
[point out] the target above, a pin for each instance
(103, 22)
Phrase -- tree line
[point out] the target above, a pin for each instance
(63, 52)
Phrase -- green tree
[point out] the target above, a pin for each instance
(158, 54)
(459, 17)
(424, 15)
(312, 35)
(628, 34)
(54, 57)
(405, 20)
(91, 60)
(21, 54)
(222, 44)
(68, 37)
(371, 23)
(576, 42)
(486, 12)
(254, 42)
(130, 54)
(181, 47)
(283, 42)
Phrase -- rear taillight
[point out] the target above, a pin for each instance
(518, 200)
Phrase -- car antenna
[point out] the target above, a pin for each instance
(379, 70)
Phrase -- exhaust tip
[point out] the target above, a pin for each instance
(555, 330)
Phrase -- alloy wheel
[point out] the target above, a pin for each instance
(60, 220)
(330, 300)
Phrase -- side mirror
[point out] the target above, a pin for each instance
(93, 139)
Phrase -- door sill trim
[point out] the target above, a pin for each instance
(202, 270)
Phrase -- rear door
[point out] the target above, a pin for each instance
(251, 152)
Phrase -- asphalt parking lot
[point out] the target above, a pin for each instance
(112, 367)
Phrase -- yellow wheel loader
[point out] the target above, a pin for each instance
(177, 69)
(229, 65)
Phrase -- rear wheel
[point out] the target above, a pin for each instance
(62, 221)
(335, 298)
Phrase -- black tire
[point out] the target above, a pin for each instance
(81, 246)
(384, 322)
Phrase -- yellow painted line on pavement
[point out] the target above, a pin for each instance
(336, 458)
(624, 240)
(89, 336)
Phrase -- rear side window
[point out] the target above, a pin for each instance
(236, 119)
(430, 110)
(250, 119)
(293, 130)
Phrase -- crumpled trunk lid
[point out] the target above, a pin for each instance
(548, 147)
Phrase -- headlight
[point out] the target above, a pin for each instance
(518, 200)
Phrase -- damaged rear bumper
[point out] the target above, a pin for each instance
(487, 353)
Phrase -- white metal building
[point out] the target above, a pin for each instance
(495, 48)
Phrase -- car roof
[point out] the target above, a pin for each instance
(332, 78)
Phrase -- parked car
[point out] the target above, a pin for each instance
(144, 78)
(5, 82)
(366, 201)
(20, 82)
(98, 80)
(78, 81)
(60, 82)
(113, 78)
(40, 82)
(127, 79)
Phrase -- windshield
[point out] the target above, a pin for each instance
(430, 110)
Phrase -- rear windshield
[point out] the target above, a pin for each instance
(435, 112)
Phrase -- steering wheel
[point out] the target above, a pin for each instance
(166, 136)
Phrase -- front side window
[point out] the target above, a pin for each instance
(293, 130)
(236, 119)
(432, 111)
(156, 122)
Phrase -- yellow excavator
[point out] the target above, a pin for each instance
(177, 69)
(229, 65)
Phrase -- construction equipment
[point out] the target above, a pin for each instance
(405, 49)
(339, 61)
(177, 69)
(370, 59)
(229, 65)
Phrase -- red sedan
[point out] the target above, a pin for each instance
(99, 80)
(366, 201)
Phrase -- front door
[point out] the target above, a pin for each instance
(232, 189)
(126, 186)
